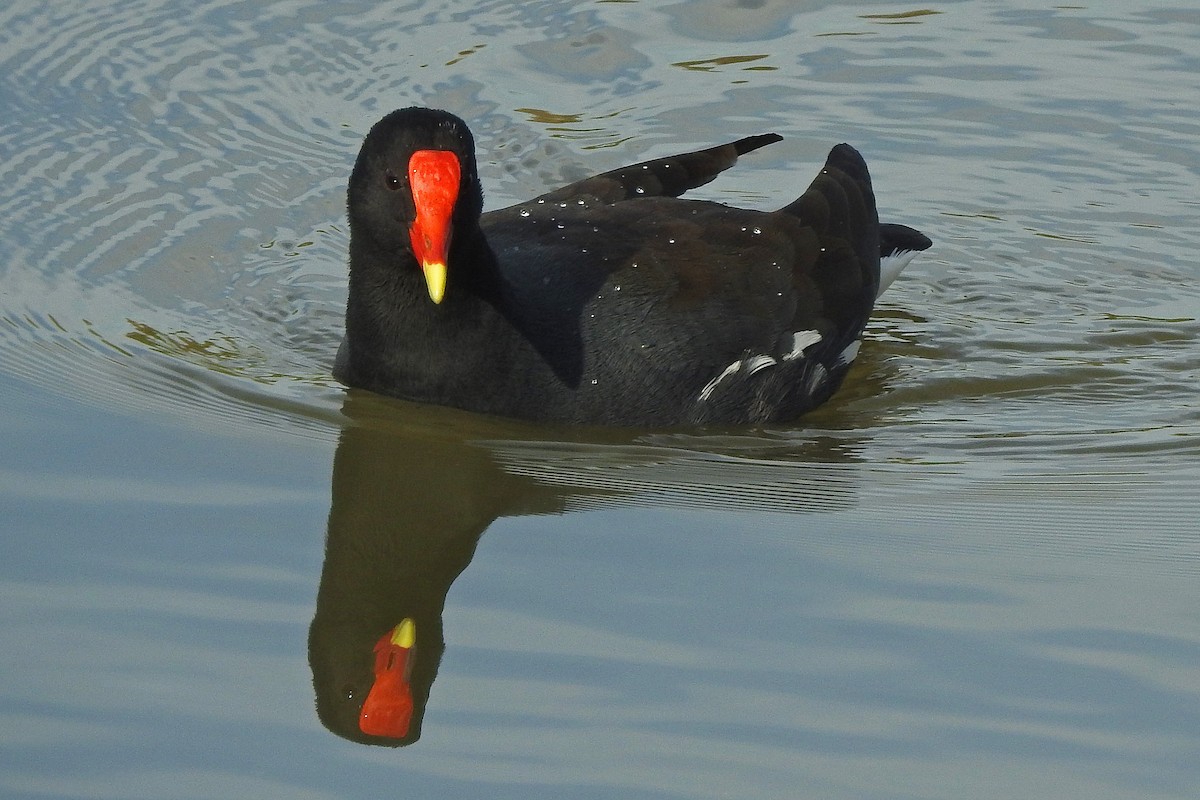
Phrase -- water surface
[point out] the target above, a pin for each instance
(971, 574)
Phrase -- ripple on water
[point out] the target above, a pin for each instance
(140, 212)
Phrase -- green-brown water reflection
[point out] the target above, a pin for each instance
(414, 489)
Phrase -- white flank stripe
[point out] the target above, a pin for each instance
(816, 377)
(800, 341)
(755, 363)
(711, 385)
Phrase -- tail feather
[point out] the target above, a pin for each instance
(898, 245)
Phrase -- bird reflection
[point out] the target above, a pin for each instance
(413, 489)
(410, 501)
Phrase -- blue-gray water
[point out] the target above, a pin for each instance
(973, 574)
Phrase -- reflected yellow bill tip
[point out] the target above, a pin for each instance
(405, 634)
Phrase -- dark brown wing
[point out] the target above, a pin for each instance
(660, 177)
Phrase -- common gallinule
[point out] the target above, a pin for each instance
(608, 301)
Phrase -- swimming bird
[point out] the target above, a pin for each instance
(610, 301)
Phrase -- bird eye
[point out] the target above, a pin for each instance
(391, 181)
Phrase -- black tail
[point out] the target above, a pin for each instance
(894, 238)
(840, 207)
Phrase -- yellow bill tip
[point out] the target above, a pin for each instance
(405, 634)
(435, 279)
